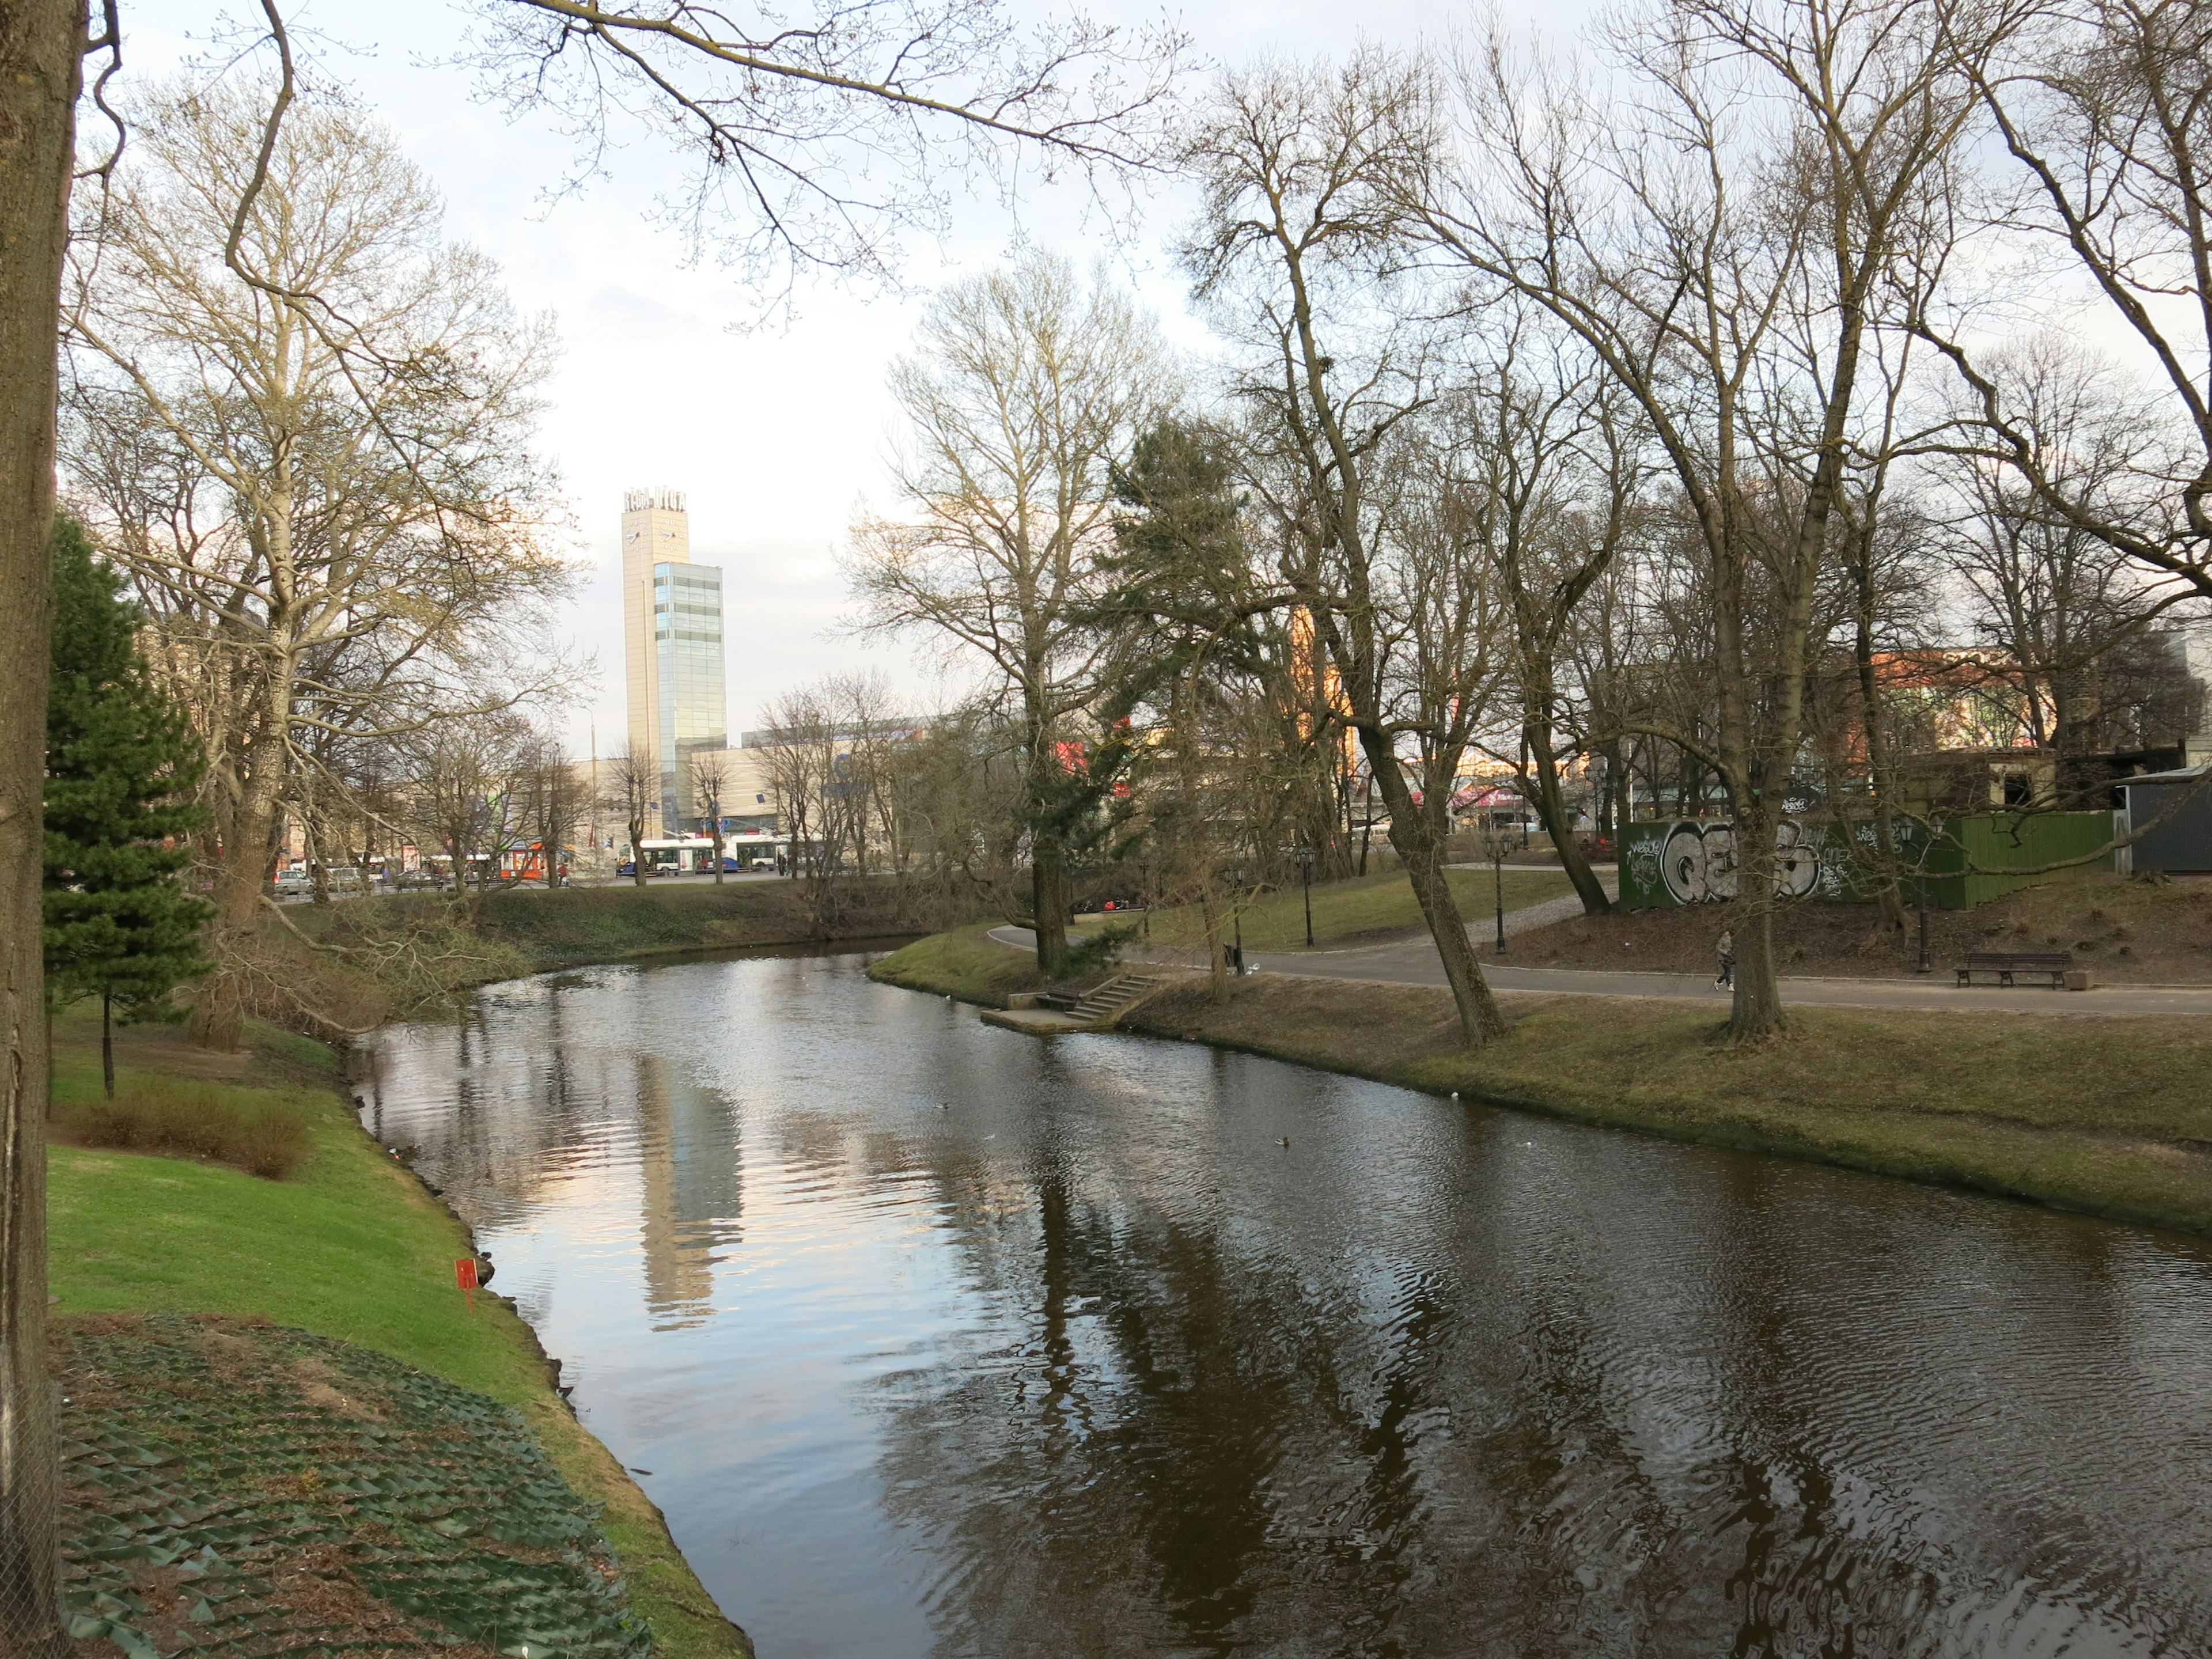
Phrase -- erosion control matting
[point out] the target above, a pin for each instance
(241, 1489)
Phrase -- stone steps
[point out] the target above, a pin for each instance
(1103, 1004)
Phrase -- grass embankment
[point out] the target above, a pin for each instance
(350, 1247)
(1362, 909)
(965, 963)
(2112, 1117)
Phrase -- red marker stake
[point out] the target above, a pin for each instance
(465, 1275)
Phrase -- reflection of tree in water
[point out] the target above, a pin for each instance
(1191, 1448)
(1216, 1430)
(690, 1193)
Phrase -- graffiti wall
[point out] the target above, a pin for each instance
(1694, 861)
(1666, 863)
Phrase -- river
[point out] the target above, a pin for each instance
(931, 1338)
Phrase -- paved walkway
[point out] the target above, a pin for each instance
(1413, 962)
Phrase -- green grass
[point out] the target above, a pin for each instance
(352, 1248)
(964, 963)
(2107, 1115)
(1364, 906)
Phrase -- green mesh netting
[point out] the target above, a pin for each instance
(247, 1491)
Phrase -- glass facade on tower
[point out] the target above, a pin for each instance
(687, 642)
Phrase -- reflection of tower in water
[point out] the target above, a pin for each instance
(689, 1193)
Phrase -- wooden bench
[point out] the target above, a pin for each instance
(2051, 964)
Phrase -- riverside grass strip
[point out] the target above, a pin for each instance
(242, 1490)
(350, 1247)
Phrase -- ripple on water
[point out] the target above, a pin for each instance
(1087, 1362)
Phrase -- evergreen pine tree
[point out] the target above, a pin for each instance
(121, 762)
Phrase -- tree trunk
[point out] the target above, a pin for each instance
(1048, 899)
(1217, 953)
(1756, 1012)
(38, 65)
(1888, 890)
(1420, 846)
(1551, 807)
(107, 1043)
(241, 876)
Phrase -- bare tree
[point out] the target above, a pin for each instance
(1293, 250)
(329, 538)
(809, 765)
(2105, 107)
(1025, 389)
(1729, 241)
(710, 782)
(793, 124)
(551, 799)
(1552, 467)
(631, 790)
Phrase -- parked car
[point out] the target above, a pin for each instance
(290, 883)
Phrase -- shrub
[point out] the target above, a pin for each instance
(160, 1115)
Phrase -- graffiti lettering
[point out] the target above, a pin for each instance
(1698, 861)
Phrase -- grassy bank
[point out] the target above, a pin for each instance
(2111, 1117)
(350, 1247)
(965, 963)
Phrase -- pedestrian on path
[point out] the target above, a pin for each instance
(1728, 960)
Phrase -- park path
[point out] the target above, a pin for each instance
(1413, 962)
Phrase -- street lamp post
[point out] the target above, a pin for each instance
(1305, 858)
(1497, 883)
(1236, 915)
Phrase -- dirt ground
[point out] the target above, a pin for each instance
(2125, 932)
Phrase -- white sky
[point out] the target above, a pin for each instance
(775, 437)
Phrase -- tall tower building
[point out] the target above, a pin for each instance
(671, 647)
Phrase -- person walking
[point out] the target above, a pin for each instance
(1728, 960)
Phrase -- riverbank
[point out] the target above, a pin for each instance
(2110, 1118)
(350, 965)
(351, 1247)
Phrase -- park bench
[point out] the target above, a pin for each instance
(2052, 964)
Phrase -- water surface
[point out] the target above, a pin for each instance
(933, 1339)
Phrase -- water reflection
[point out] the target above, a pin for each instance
(1053, 1349)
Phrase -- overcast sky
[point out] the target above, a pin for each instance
(775, 437)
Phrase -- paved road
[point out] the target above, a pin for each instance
(1413, 962)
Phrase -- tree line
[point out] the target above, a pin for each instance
(1665, 413)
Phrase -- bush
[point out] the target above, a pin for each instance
(163, 1115)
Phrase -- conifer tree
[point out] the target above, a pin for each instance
(121, 763)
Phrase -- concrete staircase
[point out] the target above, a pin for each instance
(1096, 1010)
(1101, 1006)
